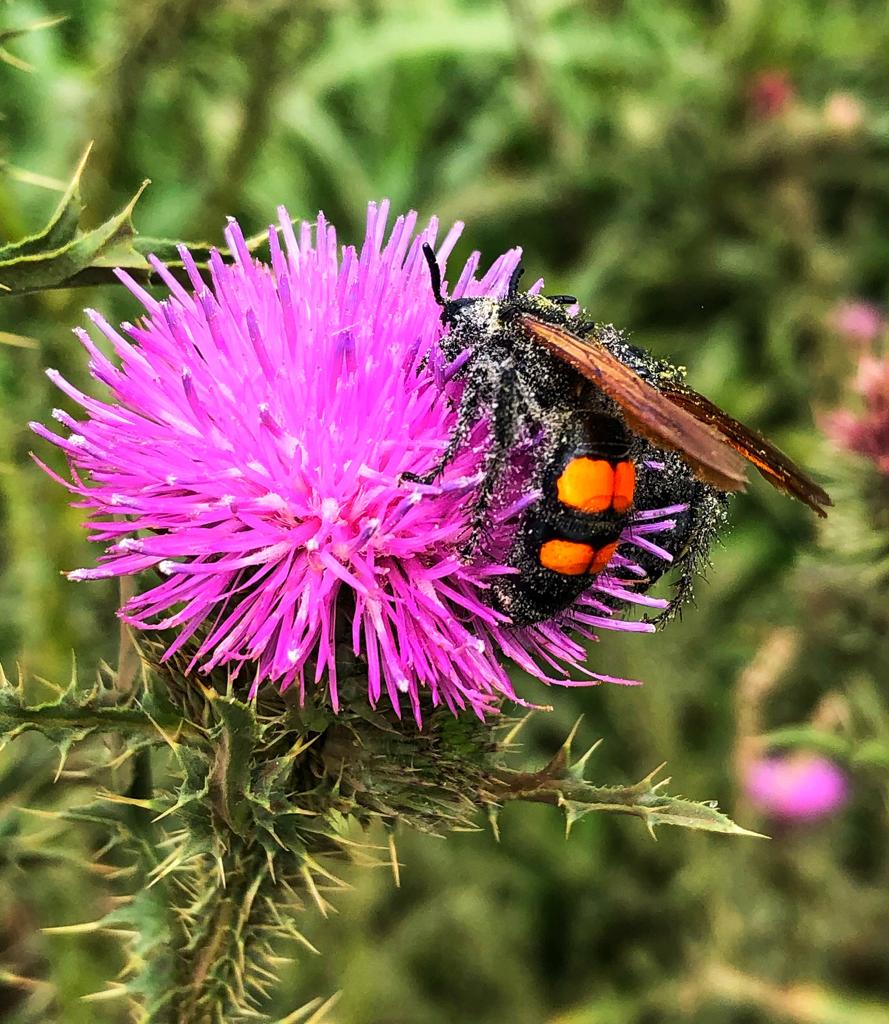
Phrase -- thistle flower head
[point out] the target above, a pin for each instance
(796, 786)
(253, 452)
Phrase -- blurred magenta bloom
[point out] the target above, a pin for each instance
(770, 93)
(858, 322)
(796, 787)
(253, 453)
(865, 432)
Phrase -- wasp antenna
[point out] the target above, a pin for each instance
(434, 273)
(513, 289)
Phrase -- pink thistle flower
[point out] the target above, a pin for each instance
(796, 787)
(253, 453)
(770, 93)
(858, 322)
(866, 432)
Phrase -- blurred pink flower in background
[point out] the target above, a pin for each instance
(865, 431)
(858, 322)
(770, 93)
(796, 787)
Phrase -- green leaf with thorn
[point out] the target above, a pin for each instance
(562, 783)
(63, 254)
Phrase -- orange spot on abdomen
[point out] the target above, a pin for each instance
(593, 485)
(586, 484)
(572, 558)
(602, 557)
(567, 557)
(624, 486)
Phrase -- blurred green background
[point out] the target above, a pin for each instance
(712, 175)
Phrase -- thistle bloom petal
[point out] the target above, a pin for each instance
(253, 453)
(796, 787)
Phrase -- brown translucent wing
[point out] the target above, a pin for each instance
(674, 416)
(646, 409)
(773, 464)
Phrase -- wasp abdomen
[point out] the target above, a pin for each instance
(572, 532)
(588, 491)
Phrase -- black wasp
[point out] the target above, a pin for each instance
(616, 431)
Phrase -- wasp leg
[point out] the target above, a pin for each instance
(707, 512)
(434, 273)
(455, 443)
(471, 403)
(512, 290)
(582, 327)
(503, 434)
(532, 408)
(515, 403)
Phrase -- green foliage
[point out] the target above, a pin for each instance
(70, 715)
(7, 35)
(55, 256)
(65, 255)
(258, 800)
(562, 783)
